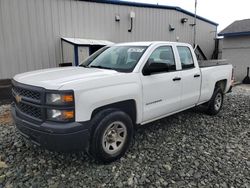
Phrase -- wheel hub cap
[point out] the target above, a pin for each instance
(218, 101)
(111, 136)
(114, 137)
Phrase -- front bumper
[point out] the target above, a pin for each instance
(54, 136)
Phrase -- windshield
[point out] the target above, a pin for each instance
(119, 58)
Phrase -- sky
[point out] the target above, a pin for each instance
(223, 12)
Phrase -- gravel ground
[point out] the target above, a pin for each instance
(189, 149)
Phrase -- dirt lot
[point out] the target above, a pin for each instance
(189, 149)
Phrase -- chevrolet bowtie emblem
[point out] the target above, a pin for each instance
(18, 98)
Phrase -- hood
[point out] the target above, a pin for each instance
(55, 78)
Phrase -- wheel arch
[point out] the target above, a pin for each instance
(221, 84)
(127, 106)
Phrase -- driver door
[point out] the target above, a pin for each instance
(161, 90)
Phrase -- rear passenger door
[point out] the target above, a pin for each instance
(190, 77)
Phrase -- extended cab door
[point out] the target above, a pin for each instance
(161, 90)
(190, 77)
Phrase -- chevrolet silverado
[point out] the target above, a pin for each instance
(97, 105)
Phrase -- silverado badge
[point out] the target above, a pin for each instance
(18, 98)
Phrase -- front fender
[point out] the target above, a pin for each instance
(89, 100)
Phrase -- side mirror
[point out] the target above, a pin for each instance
(154, 67)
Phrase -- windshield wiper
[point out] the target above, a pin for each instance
(83, 66)
(100, 67)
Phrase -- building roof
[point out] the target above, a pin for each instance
(146, 5)
(237, 28)
(80, 41)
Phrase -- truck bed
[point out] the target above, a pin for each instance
(211, 73)
(211, 63)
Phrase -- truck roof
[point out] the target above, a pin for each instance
(147, 43)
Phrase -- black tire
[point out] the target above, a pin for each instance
(213, 108)
(102, 122)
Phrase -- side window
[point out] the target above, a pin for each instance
(185, 57)
(163, 54)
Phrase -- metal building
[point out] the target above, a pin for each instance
(236, 47)
(31, 30)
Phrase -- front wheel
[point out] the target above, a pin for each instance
(216, 102)
(112, 135)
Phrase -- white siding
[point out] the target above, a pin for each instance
(237, 52)
(30, 30)
(68, 52)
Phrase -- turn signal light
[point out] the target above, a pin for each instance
(68, 114)
(67, 98)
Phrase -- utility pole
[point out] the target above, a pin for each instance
(195, 15)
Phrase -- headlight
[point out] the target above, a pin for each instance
(60, 115)
(59, 99)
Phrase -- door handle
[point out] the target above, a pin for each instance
(176, 79)
(197, 75)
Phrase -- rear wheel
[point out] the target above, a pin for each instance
(216, 102)
(112, 135)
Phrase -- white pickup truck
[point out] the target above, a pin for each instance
(97, 105)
